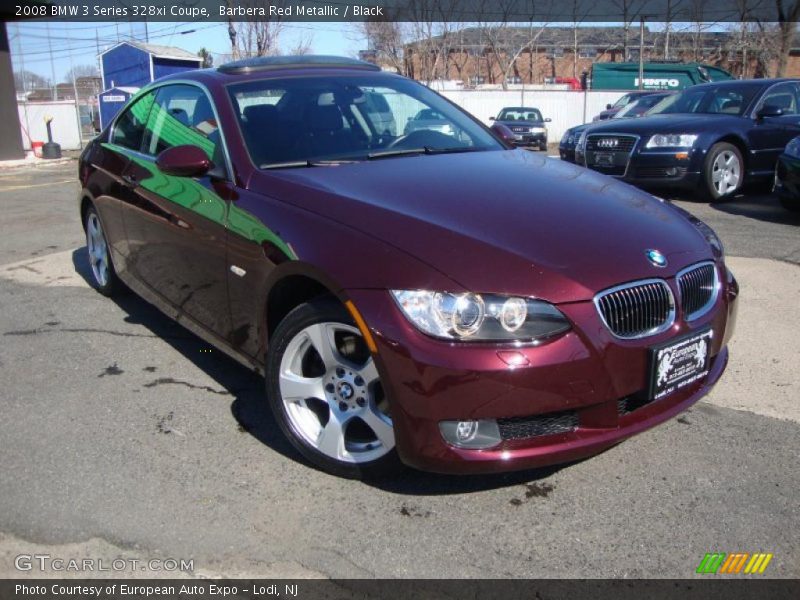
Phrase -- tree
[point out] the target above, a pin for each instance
(302, 46)
(506, 41)
(81, 71)
(629, 9)
(28, 80)
(788, 14)
(208, 60)
(431, 25)
(253, 38)
(386, 40)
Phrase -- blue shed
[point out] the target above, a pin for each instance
(111, 102)
(130, 65)
(137, 64)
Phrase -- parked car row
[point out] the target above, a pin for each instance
(713, 138)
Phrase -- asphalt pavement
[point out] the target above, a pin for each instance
(123, 435)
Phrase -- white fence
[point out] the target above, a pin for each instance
(65, 125)
(566, 108)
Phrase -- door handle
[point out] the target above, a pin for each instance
(129, 180)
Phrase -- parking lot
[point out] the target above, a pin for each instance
(123, 435)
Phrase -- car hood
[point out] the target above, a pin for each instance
(672, 123)
(523, 123)
(500, 221)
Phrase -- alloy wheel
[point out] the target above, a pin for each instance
(726, 172)
(98, 249)
(332, 396)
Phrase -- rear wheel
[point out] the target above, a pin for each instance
(103, 274)
(724, 172)
(325, 391)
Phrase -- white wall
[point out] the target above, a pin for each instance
(565, 108)
(64, 125)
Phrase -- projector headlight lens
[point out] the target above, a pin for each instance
(480, 317)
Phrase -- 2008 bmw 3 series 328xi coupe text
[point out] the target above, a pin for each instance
(434, 296)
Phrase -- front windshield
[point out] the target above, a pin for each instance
(520, 114)
(639, 107)
(623, 101)
(303, 121)
(721, 99)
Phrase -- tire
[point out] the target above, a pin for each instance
(723, 172)
(543, 147)
(324, 390)
(104, 277)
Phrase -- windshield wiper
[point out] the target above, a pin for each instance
(422, 150)
(299, 164)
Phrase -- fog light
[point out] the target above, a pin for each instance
(471, 434)
(671, 172)
(681, 155)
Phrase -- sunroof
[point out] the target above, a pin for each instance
(260, 63)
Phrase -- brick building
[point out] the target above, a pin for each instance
(488, 56)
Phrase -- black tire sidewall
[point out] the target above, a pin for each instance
(709, 189)
(311, 313)
(112, 285)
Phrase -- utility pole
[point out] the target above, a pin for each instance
(52, 63)
(641, 52)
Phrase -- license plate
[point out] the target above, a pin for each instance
(679, 363)
(604, 159)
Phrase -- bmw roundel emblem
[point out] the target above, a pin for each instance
(656, 258)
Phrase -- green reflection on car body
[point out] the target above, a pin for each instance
(193, 195)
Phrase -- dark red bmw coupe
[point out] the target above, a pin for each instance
(434, 296)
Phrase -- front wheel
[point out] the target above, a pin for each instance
(724, 172)
(325, 391)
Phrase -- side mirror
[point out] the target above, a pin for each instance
(503, 132)
(769, 110)
(491, 118)
(184, 161)
(608, 107)
(548, 120)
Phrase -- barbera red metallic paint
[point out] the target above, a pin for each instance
(230, 245)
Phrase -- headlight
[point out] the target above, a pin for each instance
(672, 140)
(581, 141)
(793, 148)
(480, 317)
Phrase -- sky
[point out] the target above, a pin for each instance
(45, 48)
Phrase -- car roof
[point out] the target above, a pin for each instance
(746, 82)
(519, 108)
(309, 61)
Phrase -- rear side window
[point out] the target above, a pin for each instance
(181, 115)
(130, 126)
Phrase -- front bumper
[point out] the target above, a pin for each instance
(567, 153)
(585, 372)
(530, 139)
(651, 169)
